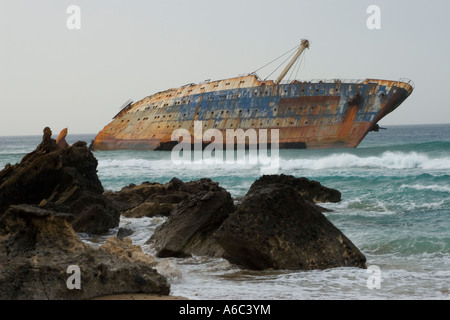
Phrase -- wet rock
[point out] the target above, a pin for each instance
(125, 249)
(275, 227)
(154, 199)
(62, 180)
(310, 190)
(189, 228)
(37, 246)
(150, 209)
(124, 232)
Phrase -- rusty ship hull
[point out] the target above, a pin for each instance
(312, 114)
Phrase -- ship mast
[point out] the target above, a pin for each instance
(303, 45)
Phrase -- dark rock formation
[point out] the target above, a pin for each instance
(189, 228)
(275, 227)
(310, 190)
(150, 209)
(63, 180)
(154, 199)
(124, 232)
(37, 246)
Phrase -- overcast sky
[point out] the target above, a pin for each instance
(53, 76)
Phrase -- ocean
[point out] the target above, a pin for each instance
(395, 208)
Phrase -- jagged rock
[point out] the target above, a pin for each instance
(61, 140)
(275, 227)
(62, 180)
(189, 228)
(310, 190)
(37, 246)
(150, 209)
(154, 199)
(125, 249)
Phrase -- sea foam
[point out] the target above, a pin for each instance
(387, 160)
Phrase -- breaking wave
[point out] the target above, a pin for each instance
(387, 160)
(435, 187)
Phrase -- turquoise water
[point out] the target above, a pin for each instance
(395, 208)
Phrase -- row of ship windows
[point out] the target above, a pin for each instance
(221, 97)
(198, 113)
(253, 124)
(212, 98)
(227, 112)
(329, 120)
(228, 83)
(224, 112)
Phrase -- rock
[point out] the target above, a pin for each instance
(133, 196)
(124, 248)
(189, 228)
(150, 209)
(61, 140)
(62, 180)
(275, 227)
(154, 199)
(124, 232)
(37, 246)
(310, 190)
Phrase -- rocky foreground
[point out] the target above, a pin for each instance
(38, 247)
(54, 193)
(62, 179)
(276, 225)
